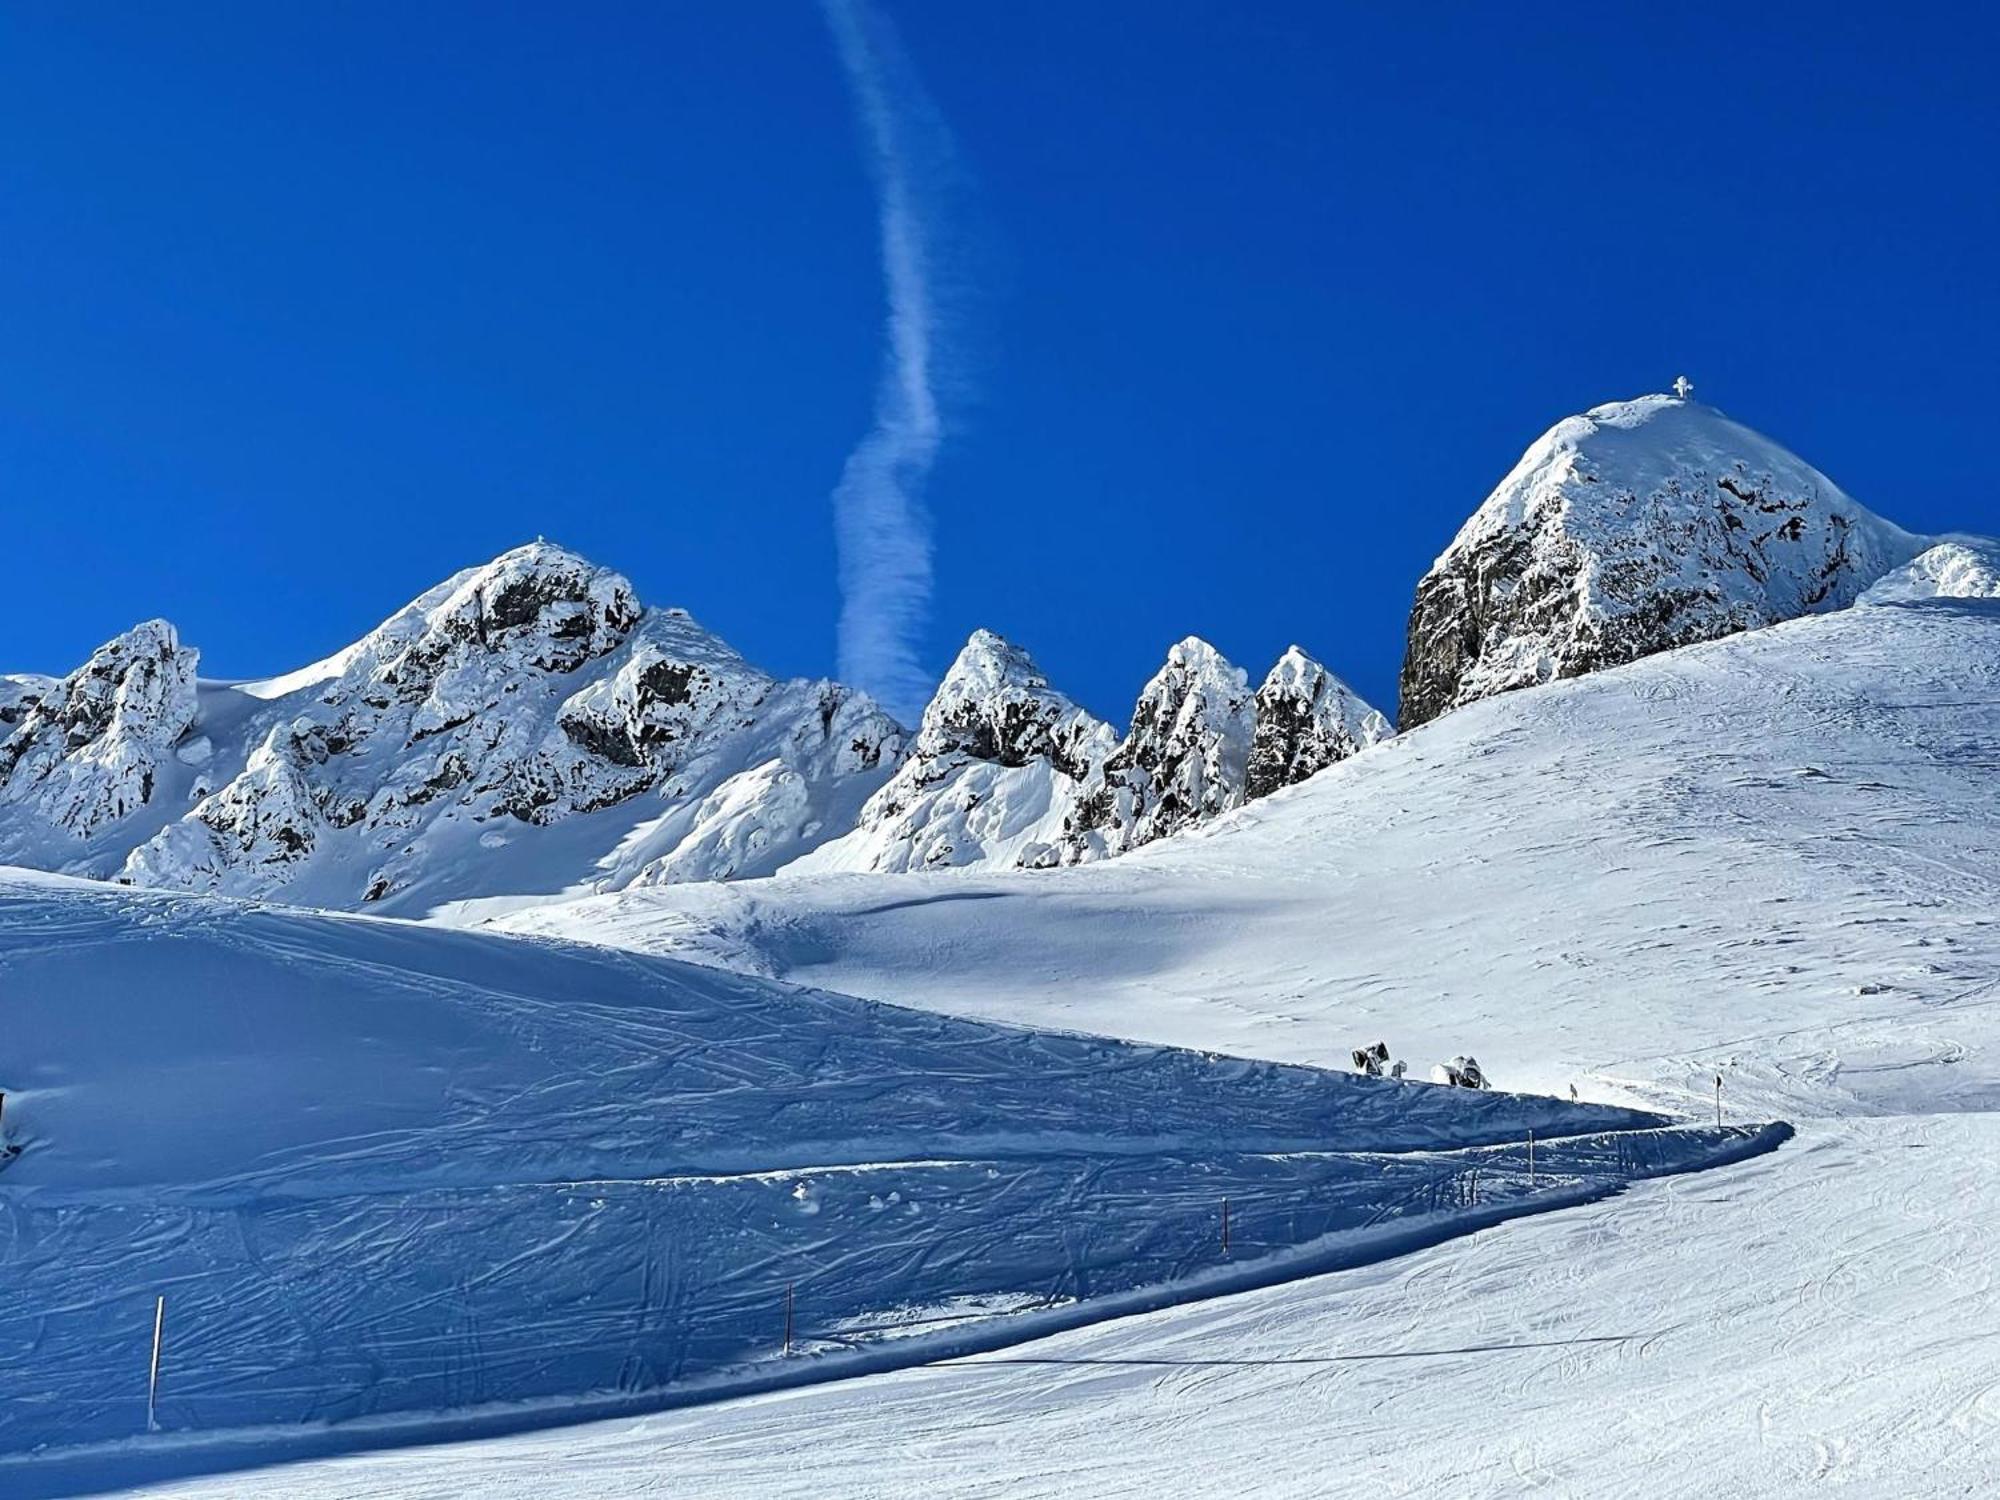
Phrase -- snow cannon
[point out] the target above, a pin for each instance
(1369, 1060)
(1460, 1073)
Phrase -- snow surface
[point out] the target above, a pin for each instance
(414, 1179)
(1957, 568)
(1772, 857)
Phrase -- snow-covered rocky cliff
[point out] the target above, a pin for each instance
(1306, 720)
(1636, 527)
(1006, 772)
(1183, 761)
(992, 774)
(525, 727)
(87, 751)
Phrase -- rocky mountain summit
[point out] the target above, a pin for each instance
(1007, 772)
(530, 728)
(87, 751)
(992, 773)
(1634, 528)
(1306, 720)
(532, 692)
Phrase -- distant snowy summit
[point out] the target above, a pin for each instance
(529, 728)
(1637, 527)
(1007, 772)
(421, 764)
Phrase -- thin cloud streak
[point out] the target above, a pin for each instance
(881, 525)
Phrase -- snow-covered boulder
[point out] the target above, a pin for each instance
(1306, 720)
(1182, 763)
(86, 751)
(1636, 527)
(1956, 568)
(990, 777)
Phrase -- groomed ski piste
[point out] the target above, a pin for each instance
(398, 1182)
(1772, 857)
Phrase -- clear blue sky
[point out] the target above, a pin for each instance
(302, 307)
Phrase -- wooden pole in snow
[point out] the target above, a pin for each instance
(153, 1381)
(788, 1317)
(1718, 1101)
(1225, 1226)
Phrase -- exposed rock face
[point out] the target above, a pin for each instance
(993, 770)
(532, 690)
(1306, 720)
(1637, 527)
(86, 752)
(1182, 763)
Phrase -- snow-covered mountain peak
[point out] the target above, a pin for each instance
(994, 704)
(1181, 763)
(990, 776)
(536, 607)
(533, 689)
(1635, 527)
(1306, 720)
(87, 751)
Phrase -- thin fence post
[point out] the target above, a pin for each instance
(788, 1317)
(153, 1380)
(1225, 1226)
(1718, 1101)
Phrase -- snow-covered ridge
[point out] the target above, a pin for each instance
(87, 751)
(528, 728)
(410, 768)
(1008, 773)
(1636, 527)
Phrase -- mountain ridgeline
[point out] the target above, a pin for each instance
(529, 728)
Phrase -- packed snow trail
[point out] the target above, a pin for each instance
(1823, 1315)
(391, 1173)
(1776, 857)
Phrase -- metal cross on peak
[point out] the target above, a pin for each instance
(1682, 386)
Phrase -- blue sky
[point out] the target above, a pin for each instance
(304, 307)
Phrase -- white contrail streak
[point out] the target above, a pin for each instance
(880, 522)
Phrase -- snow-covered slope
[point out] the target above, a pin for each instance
(1789, 834)
(1638, 526)
(1772, 857)
(377, 1168)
